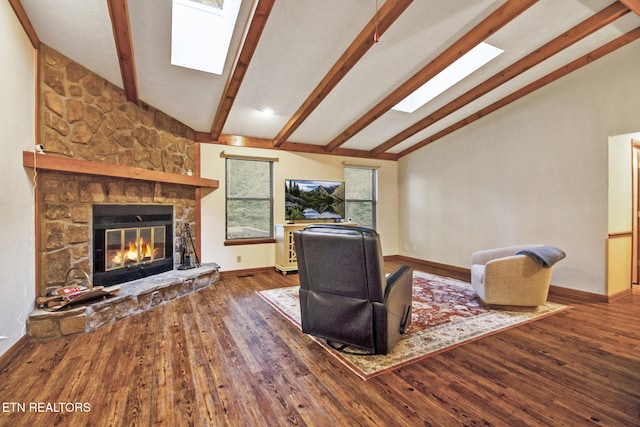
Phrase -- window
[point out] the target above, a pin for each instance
(201, 32)
(249, 199)
(360, 195)
(480, 55)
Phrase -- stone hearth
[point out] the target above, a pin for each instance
(134, 297)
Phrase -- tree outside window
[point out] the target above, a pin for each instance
(360, 195)
(249, 199)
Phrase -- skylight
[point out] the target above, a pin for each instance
(454, 73)
(201, 33)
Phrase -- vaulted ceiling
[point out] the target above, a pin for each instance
(316, 65)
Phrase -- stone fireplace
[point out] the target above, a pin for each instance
(85, 118)
(75, 237)
(113, 171)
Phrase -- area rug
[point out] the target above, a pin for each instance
(446, 313)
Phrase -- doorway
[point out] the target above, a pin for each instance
(623, 249)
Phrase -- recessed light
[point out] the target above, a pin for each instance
(447, 78)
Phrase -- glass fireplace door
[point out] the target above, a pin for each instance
(133, 246)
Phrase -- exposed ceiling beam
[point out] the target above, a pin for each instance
(18, 9)
(634, 5)
(250, 39)
(119, 12)
(577, 33)
(385, 17)
(245, 141)
(500, 17)
(549, 78)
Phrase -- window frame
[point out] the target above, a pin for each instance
(374, 193)
(249, 240)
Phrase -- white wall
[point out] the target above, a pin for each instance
(289, 165)
(17, 98)
(535, 171)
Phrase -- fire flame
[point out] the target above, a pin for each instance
(131, 254)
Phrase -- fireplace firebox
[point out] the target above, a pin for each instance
(131, 242)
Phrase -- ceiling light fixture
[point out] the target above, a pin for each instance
(447, 78)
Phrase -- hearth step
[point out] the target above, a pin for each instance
(133, 298)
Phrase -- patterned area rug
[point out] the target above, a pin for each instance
(446, 313)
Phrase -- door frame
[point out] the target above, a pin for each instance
(635, 221)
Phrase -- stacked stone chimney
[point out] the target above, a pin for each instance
(83, 116)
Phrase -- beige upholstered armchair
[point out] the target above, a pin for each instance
(502, 277)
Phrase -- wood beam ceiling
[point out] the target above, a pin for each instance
(119, 13)
(503, 15)
(253, 31)
(385, 17)
(499, 18)
(577, 33)
(549, 78)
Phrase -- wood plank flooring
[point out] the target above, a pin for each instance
(224, 357)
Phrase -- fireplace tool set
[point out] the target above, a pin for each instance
(188, 254)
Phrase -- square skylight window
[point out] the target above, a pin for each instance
(454, 73)
(201, 33)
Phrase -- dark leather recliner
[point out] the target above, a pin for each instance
(345, 297)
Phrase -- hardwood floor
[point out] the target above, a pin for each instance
(222, 356)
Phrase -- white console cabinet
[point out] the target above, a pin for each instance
(286, 259)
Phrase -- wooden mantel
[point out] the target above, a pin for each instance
(63, 164)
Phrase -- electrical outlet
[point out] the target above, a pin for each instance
(238, 258)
